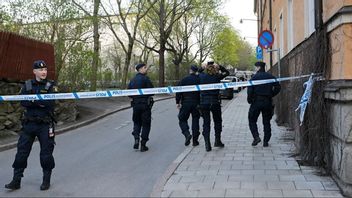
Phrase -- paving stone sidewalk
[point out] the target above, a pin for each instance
(240, 170)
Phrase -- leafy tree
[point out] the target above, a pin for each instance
(227, 45)
(246, 55)
(51, 21)
(6, 21)
(194, 34)
(209, 23)
(76, 77)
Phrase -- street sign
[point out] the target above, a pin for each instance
(259, 53)
(266, 39)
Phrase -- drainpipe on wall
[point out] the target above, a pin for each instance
(318, 5)
(271, 29)
(260, 16)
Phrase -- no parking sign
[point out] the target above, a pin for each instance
(266, 39)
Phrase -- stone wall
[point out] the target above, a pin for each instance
(11, 112)
(339, 97)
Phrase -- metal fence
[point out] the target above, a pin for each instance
(17, 54)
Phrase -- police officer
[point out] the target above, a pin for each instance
(260, 98)
(142, 105)
(210, 102)
(188, 103)
(38, 122)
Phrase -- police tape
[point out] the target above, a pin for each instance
(146, 91)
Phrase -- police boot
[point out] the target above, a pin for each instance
(136, 143)
(16, 181)
(207, 144)
(256, 141)
(46, 180)
(195, 141)
(143, 146)
(218, 142)
(14, 184)
(188, 140)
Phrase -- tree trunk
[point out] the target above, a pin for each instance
(201, 57)
(162, 66)
(59, 45)
(127, 63)
(125, 71)
(162, 50)
(95, 63)
(177, 71)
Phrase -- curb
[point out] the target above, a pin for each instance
(81, 124)
(159, 185)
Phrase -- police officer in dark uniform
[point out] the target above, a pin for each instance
(38, 122)
(260, 98)
(210, 101)
(142, 105)
(188, 103)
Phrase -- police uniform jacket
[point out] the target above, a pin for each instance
(140, 81)
(211, 96)
(38, 108)
(188, 97)
(264, 91)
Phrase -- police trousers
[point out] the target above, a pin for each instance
(30, 131)
(215, 109)
(142, 117)
(264, 107)
(186, 110)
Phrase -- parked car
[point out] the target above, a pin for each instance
(228, 93)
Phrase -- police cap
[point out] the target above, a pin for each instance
(194, 68)
(260, 64)
(210, 63)
(140, 65)
(38, 64)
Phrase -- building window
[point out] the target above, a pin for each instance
(290, 25)
(309, 17)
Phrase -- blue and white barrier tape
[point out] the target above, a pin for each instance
(133, 92)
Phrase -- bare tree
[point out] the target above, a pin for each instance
(128, 18)
(96, 48)
(179, 42)
(115, 57)
(206, 31)
(161, 20)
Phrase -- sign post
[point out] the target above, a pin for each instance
(266, 40)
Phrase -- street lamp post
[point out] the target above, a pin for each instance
(251, 37)
(241, 20)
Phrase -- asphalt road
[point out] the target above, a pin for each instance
(98, 159)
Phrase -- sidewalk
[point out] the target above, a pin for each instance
(240, 170)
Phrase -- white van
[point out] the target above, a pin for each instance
(228, 93)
